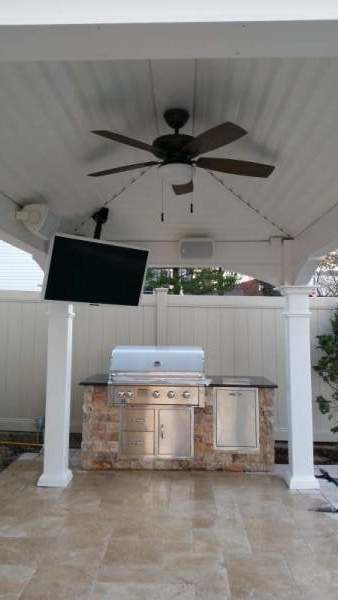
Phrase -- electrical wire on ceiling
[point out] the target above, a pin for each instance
(249, 205)
(163, 202)
(121, 191)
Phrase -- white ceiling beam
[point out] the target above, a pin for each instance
(108, 40)
(314, 243)
(262, 260)
(42, 12)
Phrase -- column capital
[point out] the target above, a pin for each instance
(297, 299)
(162, 290)
(297, 290)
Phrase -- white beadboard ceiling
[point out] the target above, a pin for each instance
(288, 106)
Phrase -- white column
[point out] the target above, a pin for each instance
(299, 393)
(59, 366)
(162, 317)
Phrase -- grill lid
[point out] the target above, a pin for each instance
(157, 361)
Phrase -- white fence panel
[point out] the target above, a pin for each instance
(240, 335)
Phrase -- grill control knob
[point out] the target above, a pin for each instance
(171, 394)
(120, 395)
(156, 394)
(186, 395)
(129, 394)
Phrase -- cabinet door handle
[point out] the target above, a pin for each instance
(233, 393)
(162, 431)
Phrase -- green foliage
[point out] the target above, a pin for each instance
(191, 281)
(327, 369)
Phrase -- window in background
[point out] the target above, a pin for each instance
(18, 270)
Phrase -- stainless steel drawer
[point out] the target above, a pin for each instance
(138, 419)
(135, 443)
(236, 419)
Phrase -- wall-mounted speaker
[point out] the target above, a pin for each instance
(196, 248)
(38, 219)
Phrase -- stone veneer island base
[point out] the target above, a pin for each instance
(102, 430)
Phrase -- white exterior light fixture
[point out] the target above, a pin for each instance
(176, 173)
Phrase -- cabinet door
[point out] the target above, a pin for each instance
(236, 419)
(175, 432)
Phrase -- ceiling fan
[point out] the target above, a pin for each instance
(177, 153)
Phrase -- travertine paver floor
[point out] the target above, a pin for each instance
(163, 536)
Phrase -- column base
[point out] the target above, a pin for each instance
(60, 481)
(308, 482)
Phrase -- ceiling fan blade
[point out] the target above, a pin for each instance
(236, 167)
(122, 139)
(186, 188)
(213, 138)
(124, 168)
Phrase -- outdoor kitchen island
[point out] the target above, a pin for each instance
(218, 423)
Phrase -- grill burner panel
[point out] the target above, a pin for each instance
(152, 394)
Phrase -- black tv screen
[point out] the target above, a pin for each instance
(94, 271)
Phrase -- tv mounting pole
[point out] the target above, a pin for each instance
(100, 217)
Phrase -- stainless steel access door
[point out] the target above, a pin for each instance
(175, 432)
(236, 419)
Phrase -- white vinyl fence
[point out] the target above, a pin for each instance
(240, 335)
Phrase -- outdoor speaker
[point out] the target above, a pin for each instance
(38, 219)
(196, 248)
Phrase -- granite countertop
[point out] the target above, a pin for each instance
(216, 381)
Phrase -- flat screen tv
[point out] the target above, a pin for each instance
(94, 271)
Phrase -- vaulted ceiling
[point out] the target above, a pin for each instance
(288, 106)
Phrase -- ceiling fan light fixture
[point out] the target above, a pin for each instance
(176, 173)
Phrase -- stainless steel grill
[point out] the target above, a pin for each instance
(157, 375)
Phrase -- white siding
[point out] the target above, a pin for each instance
(18, 270)
(241, 335)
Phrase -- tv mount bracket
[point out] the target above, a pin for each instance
(100, 217)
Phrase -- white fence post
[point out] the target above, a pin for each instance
(161, 316)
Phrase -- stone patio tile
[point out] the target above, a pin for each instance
(89, 528)
(196, 568)
(271, 508)
(21, 527)
(156, 527)
(74, 551)
(212, 591)
(261, 577)
(267, 535)
(134, 552)
(58, 583)
(24, 551)
(314, 571)
(323, 544)
(143, 591)
(13, 578)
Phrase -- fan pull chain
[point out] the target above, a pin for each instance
(163, 203)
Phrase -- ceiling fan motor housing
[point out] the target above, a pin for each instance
(170, 147)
